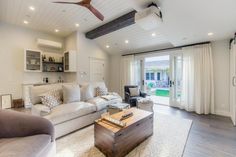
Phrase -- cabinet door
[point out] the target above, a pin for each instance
(33, 61)
(66, 61)
(233, 83)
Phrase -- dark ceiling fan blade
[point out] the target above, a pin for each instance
(66, 2)
(95, 12)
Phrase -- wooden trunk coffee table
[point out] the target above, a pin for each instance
(115, 141)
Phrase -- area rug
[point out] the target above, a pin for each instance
(168, 140)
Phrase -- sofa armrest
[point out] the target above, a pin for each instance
(15, 124)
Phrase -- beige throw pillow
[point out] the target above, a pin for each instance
(71, 93)
(86, 92)
(134, 91)
(51, 98)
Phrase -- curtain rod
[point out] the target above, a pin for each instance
(170, 48)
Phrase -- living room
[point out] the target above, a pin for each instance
(117, 78)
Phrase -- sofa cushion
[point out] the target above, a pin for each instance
(102, 103)
(36, 91)
(31, 146)
(86, 92)
(100, 91)
(134, 91)
(40, 110)
(71, 93)
(52, 98)
(66, 112)
(94, 86)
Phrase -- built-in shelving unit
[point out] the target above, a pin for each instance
(35, 61)
(53, 66)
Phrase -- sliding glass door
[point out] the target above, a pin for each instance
(176, 79)
(161, 77)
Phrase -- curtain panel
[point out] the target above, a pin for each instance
(198, 83)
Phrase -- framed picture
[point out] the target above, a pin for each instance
(6, 101)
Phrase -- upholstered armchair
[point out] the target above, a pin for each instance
(24, 135)
(132, 99)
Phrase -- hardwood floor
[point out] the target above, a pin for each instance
(210, 135)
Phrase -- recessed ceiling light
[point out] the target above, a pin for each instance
(56, 30)
(107, 46)
(76, 25)
(210, 34)
(153, 34)
(26, 22)
(126, 41)
(32, 8)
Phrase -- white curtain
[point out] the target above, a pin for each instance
(198, 83)
(127, 72)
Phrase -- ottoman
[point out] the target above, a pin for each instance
(145, 104)
(117, 107)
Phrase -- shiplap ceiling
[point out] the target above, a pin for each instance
(49, 16)
(185, 21)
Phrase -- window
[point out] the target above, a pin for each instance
(147, 76)
(158, 76)
(152, 76)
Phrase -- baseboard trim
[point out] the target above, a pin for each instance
(223, 113)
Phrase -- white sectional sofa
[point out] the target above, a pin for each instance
(69, 117)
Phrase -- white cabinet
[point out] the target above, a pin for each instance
(32, 61)
(70, 64)
(233, 82)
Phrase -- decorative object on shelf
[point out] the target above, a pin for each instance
(44, 58)
(60, 80)
(6, 101)
(52, 66)
(45, 80)
(60, 69)
(50, 59)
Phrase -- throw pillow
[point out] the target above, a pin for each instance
(71, 93)
(51, 98)
(134, 91)
(101, 91)
(86, 92)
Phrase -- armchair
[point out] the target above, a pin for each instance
(132, 100)
(25, 135)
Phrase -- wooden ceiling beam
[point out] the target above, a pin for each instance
(112, 26)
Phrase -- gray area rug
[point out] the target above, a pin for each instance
(169, 139)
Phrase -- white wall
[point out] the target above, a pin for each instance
(115, 83)
(221, 76)
(221, 60)
(13, 41)
(71, 44)
(89, 49)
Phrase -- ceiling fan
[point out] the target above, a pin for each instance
(86, 4)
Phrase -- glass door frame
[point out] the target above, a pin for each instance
(172, 54)
(175, 101)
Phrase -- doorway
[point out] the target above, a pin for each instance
(157, 79)
(162, 77)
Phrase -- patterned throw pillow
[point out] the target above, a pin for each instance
(51, 98)
(100, 91)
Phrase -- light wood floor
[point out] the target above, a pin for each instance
(210, 135)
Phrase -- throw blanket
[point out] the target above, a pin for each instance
(110, 96)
